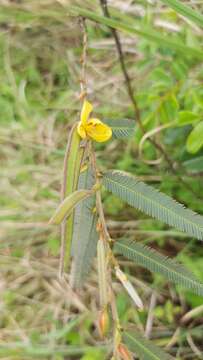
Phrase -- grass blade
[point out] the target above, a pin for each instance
(150, 34)
(185, 10)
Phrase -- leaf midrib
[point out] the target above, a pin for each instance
(161, 265)
(153, 201)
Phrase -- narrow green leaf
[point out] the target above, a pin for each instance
(195, 139)
(168, 109)
(68, 204)
(186, 118)
(151, 35)
(194, 165)
(39, 351)
(63, 331)
(144, 348)
(185, 10)
(121, 128)
(153, 203)
(85, 236)
(158, 263)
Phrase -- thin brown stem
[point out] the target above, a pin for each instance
(83, 59)
(122, 62)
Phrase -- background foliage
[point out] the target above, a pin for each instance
(40, 49)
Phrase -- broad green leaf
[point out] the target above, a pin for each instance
(195, 139)
(68, 204)
(158, 263)
(197, 94)
(186, 118)
(153, 203)
(144, 348)
(85, 236)
(150, 34)
(72, 164)
(161, 79)
(168, 109)
(194, 165)
(186, 11)
(121, 128)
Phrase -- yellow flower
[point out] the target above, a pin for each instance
(92, 128)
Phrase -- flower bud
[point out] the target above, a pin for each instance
(124, 352)
(103, 323)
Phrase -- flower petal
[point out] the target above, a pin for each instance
(86, 110)
(98, 131)
(81, 130)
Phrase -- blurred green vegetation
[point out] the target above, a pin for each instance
(40, 49)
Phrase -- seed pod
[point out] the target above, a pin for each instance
(68, 204)
(72, 164)
(102, 273)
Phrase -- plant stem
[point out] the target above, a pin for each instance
(110, 257)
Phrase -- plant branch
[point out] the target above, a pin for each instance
(130, 91)
(110, 257)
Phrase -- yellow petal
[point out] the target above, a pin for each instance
(81, 130)
(98, 131)
(86, 110)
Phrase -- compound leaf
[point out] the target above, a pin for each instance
(144, 348)
(153, 203)
(158, 263)
(121, 128)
